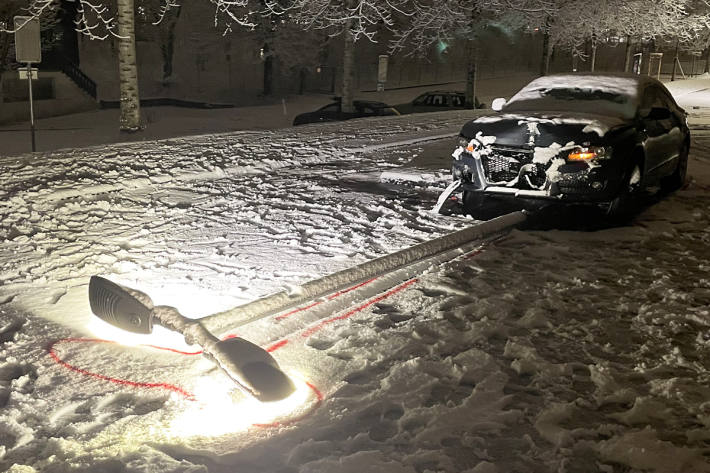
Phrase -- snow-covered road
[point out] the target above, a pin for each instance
(545, 351)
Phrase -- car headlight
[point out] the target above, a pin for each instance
(589, 153)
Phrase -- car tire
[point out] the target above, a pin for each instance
(676, 180)
(620, 207)
(474, 205)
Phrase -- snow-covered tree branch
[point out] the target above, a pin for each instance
(464, 20)
(578, 22)
(351, 19)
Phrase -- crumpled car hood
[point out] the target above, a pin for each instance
(542, 129)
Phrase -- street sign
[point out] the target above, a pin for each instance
(28, 46)
(28, 49)
(23, 73)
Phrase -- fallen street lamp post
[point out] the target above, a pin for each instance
(251, 367)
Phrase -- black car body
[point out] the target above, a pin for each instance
(334, 112)
(436, 101)
(582, 138)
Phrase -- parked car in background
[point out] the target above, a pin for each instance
(333, 112)
(575, 138)
(436, 101)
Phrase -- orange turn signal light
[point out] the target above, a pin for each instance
(581, 156)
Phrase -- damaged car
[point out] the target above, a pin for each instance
(595, 139)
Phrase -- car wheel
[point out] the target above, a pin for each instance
(620, 206)
(676, 180)
(474, 205)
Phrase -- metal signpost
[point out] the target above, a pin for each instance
(695, 55)
(28, 50)
(637, 63)
(658, 59)
(382, 72)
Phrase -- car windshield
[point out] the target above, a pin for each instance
(613, 96)
(333, 107)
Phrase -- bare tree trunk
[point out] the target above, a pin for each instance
(471, 63)
(127, 70)
(707, 60)
(348, 69)
(627, 57)
(268, 70)
(592, 65)
(167, 46)
(545, 64)
(546, 49)
(4, 50)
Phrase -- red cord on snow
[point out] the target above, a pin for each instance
(126, 382)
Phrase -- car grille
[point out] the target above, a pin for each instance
(503, 164)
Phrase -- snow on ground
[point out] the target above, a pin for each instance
(692, 94)
(556, 350)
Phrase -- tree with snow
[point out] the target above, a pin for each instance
(157, 22)
(99, 20)
(577, 23)
(434, 21)
(283, 40)
(351, 19)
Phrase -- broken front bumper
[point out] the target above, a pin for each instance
(512, 173)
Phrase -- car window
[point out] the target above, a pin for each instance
(438, 100)
(421, 100)
(367, 110)
(333, 107)
(670, 101)
(457, 101)
(652, 97)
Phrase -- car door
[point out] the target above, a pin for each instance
(661, 133)
(676, 135)
(329, 113)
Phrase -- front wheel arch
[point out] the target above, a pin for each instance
(620, 206)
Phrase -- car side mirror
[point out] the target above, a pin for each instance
(658, 113)
(498, 104)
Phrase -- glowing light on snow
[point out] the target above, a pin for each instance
(160, 336)
(184, 296)
(220, 410)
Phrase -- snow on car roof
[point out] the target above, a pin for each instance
(606, 94)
